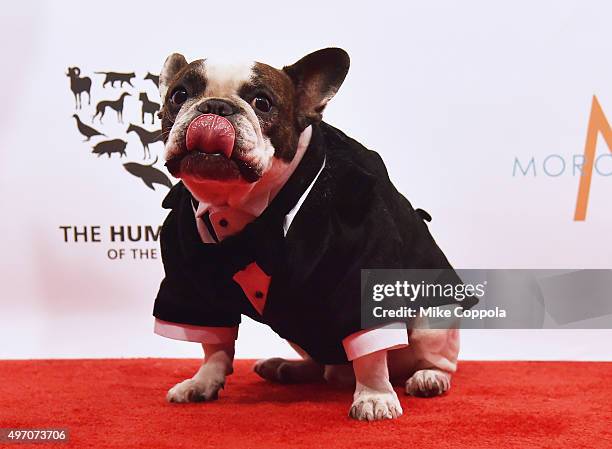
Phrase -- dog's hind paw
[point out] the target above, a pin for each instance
(288, 371)
(428, 383)
(195, 390)
(370, 405)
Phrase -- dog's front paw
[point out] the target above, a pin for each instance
(370, 405)
(195, 390)
(428, 383)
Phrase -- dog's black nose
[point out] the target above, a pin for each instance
(218, 107)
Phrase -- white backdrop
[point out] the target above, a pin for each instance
(450, 93)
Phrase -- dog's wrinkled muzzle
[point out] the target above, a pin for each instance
(211, 133)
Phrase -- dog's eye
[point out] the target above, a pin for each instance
(179, 96)
(262, 103)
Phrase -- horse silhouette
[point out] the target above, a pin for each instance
(149, 174)
(146, 137)
(79, 85)
(116, 105)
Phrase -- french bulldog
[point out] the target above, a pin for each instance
(248, 140)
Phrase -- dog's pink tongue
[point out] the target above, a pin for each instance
(210, 133)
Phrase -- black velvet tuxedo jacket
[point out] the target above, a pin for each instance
(353, 218)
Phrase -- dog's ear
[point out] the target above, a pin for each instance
(317, 77)
(174, 64)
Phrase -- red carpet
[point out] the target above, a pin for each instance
(120, 404)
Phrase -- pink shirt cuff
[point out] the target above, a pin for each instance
(197, 334)
(367, 341)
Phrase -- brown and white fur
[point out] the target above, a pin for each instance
(266, 142)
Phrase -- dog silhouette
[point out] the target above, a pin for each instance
(149, 174)
(154, 78)
(87, 131)
(79, 85)
(117, 105)
(148, 107)
(146, 137)
(109, 147)
(113, 77)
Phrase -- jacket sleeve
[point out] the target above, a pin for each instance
(183, 297)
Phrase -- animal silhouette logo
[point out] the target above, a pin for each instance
(146, 137)
(110, 147)
(148, 107)
(87, 131)
(149, 174)
(78, 85)
(139, 103)
(154, 78)
(117, 105)
(114, 77)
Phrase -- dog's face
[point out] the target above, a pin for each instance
(236, 125)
